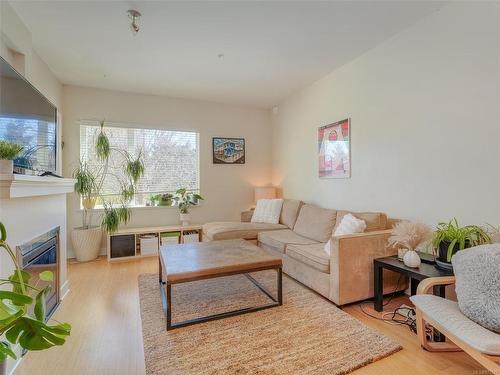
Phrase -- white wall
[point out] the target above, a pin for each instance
(26, 218)
(227, 189)
(425, 110)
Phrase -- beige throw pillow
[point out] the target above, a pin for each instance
(267, 211)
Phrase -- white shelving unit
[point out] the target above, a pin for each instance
(134, 234)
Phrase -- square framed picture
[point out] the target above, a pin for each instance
(334, 150)
(228, 150)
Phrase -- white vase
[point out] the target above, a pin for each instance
(6, 166)
(86, 243)
(411, 259)
(185, 219)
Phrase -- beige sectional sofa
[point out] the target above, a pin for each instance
(344, 276)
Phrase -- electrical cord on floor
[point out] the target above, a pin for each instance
(400, 316)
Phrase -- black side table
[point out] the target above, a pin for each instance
(414, 274)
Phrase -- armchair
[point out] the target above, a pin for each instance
(462, 333)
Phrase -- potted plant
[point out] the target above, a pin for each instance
(89, 186)
(17, 323)
(407, 236)
(450, 238)
(165, 199)
(184, 198)
(8, 152)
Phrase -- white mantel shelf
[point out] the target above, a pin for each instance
(19, 186)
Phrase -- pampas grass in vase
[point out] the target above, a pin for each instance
(407, 236)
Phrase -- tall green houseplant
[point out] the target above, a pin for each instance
(90, 182)
(451, 237)
(17, 323)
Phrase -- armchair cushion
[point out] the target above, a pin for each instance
(447, 314)
(315, 222)
(478, 284)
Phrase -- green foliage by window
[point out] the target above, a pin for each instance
(90, 181)
(9, 150)
(18, 325)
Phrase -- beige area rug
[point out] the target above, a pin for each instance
(307, 335)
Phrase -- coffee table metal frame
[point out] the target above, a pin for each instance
(166, 295)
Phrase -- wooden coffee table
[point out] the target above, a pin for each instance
(207, 260)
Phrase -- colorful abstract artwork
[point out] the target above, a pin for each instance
(228, 150)
(334, 150)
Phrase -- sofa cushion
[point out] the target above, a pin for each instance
(233, 229)
(312, 255)
(374, 220)
(478, 284)
(279, 239)
(315, 222)
(290, 211)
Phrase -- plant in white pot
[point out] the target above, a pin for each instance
(184, 198)
(408, 236)
(90, 186)
(8, 152)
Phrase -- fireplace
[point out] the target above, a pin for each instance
(42, 254)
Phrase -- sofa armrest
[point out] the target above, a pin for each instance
(246, 216)
(428, 284)
(351, 265)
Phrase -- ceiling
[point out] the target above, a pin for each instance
(271, 49)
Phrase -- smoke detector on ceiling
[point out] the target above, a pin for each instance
(134, 15)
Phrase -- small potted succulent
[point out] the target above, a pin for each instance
(22, 313)
(183, 199)
(8, 152)
(450, 238)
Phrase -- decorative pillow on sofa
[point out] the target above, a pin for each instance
(348, 225)
(267, 211)
(478, 284)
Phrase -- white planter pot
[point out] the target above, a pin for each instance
(185, 219)
(86, 243)
(6, 166)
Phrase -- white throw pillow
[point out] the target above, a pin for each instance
(267, 211)
(349, 225)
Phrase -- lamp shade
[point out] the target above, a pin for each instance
(264, 192)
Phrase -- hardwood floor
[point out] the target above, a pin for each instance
(103, 308)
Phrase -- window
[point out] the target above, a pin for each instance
(171, 158)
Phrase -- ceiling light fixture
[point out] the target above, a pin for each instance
(134, 15)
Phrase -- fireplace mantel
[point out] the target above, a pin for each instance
(19, 186)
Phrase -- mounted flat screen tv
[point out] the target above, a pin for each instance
(29, 119)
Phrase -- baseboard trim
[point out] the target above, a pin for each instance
(64, 290)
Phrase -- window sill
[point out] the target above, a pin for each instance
(99, 209)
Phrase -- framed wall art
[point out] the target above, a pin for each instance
(228, 150)
(334, 149)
